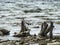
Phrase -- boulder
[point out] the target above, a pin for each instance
(4, 32)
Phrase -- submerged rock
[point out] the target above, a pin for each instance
(33, 10)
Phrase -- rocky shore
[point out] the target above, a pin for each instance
(27, 39)
(31, 40)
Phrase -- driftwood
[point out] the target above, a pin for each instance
(24, 30)
(50, 29)
(23, 27)
(45, 29)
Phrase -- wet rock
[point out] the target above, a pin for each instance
(22, 42)
(22, 34)
(15, 33)
(4, 32)
(36, 27)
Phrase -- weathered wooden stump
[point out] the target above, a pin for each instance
(45, 30)
(50, 29)
(23, 27)
(24, 30)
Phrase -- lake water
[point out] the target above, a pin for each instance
(34, 12)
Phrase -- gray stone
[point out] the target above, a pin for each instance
(4, 31)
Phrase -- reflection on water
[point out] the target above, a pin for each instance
(11, 12)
